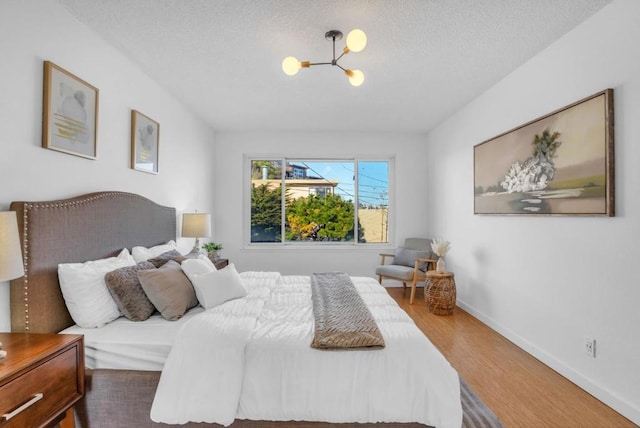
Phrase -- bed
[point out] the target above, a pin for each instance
(100, 225)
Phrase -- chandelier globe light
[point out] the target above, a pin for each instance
(356, 42)
(291, 65)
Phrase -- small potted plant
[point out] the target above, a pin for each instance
(213, 250)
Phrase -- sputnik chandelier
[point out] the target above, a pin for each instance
(356, 41)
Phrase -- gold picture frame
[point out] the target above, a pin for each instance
(559, 164)
(70, 113)
(145, 141)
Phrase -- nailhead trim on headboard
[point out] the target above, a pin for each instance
(25, 261)
(117, 220)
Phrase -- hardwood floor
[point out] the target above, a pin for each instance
(521, 391)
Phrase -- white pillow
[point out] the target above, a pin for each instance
(195, 267)
(85, 292)
(207, 261)
(216, 287)
(142, 254)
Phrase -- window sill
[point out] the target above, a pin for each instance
(319, 247)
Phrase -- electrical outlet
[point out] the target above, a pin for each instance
(590, 347)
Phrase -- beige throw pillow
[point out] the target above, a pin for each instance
(169, 290)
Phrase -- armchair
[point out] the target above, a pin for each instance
(410, 263)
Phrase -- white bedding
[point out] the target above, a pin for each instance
(131, 345)
(251, 359)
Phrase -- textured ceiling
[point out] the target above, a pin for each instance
(424, 58)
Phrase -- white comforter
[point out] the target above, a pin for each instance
(251, 359)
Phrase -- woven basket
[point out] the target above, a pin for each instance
(440, 294)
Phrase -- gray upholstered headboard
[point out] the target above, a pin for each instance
(87, 227)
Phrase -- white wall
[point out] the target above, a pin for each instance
(34, 31)
(546, 282)
(409, 152)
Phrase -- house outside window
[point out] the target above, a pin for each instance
(321, 191)
(315, 201)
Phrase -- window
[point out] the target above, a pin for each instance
(301, 200)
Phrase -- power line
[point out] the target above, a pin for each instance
(360, 174)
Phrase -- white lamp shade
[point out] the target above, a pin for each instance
(11, 265)
(196, 225)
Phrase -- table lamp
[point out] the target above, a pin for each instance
(11, 265)
(196, 225)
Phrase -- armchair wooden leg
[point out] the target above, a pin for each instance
(413, 291)
(380, 279)
(404, 285)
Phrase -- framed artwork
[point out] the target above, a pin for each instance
(145, 138)
(70, 113)
(558, 164)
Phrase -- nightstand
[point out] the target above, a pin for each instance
(440, 292)
(41, 378)
(221, 263)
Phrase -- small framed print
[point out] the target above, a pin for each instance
(145, 139)
(70, 113)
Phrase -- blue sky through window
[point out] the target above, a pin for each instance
(373, 179)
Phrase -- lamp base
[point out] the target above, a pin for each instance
(196, 247)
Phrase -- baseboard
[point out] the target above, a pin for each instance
(617, 403)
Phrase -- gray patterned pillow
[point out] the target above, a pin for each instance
(165, 257)
(171, 255)
(125, 288)
(407, 257)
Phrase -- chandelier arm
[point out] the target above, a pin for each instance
(338, 59)
(320, 63)
(340, 67)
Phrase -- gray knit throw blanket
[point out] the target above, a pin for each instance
(342, 319)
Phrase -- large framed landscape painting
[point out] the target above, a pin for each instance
(559, 164)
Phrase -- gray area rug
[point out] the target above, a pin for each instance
(475, 414)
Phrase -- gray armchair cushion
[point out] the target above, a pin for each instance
(403, 273)
(407, 257)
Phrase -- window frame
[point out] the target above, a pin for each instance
(283, 243)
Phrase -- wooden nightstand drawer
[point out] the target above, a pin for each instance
(39, 387)
(55, 380)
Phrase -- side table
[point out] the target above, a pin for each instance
(41, 378)
(440, 292)
(221, 263)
